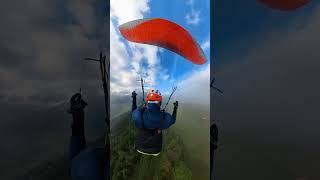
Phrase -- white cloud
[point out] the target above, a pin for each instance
(195, 88)
(126, 57)
(193, 17)
(124, 11)
(206, 44)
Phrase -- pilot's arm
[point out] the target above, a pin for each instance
(170, 119)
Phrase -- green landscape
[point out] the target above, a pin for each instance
(185, 152)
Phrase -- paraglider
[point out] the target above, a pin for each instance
(285, 5)
(150, 119)
(165, 34)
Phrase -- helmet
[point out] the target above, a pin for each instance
(154, 97)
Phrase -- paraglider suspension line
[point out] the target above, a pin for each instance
(172, 92)
(142, 87)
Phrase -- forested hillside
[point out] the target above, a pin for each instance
(127, 163)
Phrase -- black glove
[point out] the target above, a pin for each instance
(134, 101)
(76, 103)
(175, 104)
(134, 94)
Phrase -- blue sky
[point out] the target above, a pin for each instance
(177, 11)
(171, 68)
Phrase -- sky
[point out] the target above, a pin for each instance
(162, 69)
(267, 63)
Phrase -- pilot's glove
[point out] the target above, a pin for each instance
(134, 94)
(175, 104)
(76, 103)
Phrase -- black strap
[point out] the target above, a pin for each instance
(142, 119)
(162, 119)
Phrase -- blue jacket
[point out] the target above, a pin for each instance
(89, 163)
(153, 117)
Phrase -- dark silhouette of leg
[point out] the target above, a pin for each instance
(78, 140)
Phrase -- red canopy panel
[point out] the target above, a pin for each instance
(165, 34)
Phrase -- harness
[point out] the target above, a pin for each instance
(149, 141)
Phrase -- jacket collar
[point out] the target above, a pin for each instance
(153, 106)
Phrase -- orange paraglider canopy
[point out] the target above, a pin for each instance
(285, 5)
(165, 34)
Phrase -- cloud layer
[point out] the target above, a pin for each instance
(43, 44)
(195, 88)
(270, 102)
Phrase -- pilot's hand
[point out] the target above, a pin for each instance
(76, 103)
(134, 94)
(175, 104)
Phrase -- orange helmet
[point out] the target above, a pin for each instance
(154, 96)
